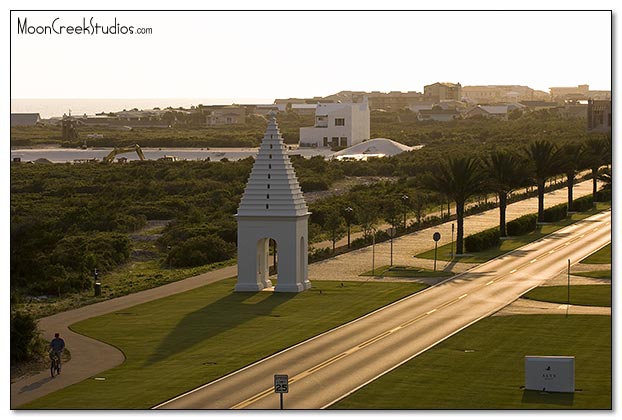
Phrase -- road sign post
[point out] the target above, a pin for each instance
(281, 386)
(436, 237)
(452, 241)
(568, 303)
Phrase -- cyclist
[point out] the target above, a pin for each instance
(57, 345)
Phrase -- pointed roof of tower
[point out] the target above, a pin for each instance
(272, 189)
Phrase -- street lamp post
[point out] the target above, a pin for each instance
(391, 233)
(405, 203)
(348, 211)
(436, 237)
(373, 252)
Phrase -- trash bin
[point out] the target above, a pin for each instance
(98, 289)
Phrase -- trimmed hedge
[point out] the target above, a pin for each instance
(522, 225)
(482, 240)
(582, 204)
(555, 213)
(603, 195)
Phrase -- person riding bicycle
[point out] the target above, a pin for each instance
(57, 345)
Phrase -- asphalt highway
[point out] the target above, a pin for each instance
(329, 367)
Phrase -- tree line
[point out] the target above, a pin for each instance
(68, 219)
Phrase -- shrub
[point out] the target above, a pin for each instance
(583, 203)
(85, 252)
(555, 213)
(26, 344)
(319, 254)
(360, 242)
(382, 235)
(522, 225)
(482, 240)
(200, 250)
(309, 185)
(603, 195)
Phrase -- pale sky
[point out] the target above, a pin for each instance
(278, 54)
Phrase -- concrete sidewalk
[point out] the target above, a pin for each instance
(349, 266)
(90, 357)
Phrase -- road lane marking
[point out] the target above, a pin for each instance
(327, 362)
(376, 338)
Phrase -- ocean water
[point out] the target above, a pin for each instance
(49, 108)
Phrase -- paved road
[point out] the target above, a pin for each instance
(328, 367)
(90, 357)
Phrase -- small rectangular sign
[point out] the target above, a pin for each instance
(549, 373)
(281, 384)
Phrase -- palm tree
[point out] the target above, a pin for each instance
(544, 159)
(505, 172)
(597, 154)
(458, 178)
(572, 161)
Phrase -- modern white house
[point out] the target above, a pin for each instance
(337, 125)
(272, 207)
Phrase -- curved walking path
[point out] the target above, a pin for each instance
(90, 357)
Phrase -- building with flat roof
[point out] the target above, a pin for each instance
(598, 116)
(24, 119)
(337, 125)
(561, 94)
(497, 93)
(440, 91)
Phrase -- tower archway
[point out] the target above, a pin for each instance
(272, 207)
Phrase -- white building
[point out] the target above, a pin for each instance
(272, 207)
(337, 124)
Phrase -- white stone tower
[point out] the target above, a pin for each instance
(272, 207)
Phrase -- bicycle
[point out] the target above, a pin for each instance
(55, 365)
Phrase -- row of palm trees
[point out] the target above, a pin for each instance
(502, 172)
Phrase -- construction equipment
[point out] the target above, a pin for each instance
(119, 150)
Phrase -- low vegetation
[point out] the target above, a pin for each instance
(406, 272)
(583, 295)
(510, 243)
(183, 341)
(482, 368)
(602, 256)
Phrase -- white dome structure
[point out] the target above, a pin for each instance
(379, 147)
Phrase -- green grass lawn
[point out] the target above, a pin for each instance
(175, 344)
(602, 256)
(509, 244)
(402, 271)
(584, 295)
(482, 367)
(597, 274)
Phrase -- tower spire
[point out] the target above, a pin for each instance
(272, 188)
